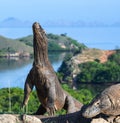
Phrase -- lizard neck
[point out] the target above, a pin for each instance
(39, 45)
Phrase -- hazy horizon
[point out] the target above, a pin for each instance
(106, 11)
(60, 12)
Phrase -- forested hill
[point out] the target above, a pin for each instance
(23, 46)
(57, 42)
(92, 65)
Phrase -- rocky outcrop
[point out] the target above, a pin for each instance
(12, 118)
(87, 55)
(105, 55)
(92, 55)
(5, 118)
(99, 120)
(16, 54)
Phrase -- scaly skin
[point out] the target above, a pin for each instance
(108, 103)
(51, 96)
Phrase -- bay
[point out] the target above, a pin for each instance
(13, 72)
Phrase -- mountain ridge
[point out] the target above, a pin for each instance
(12, 22)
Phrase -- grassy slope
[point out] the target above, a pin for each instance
(13, 45)
(25, 44)
(55, 42)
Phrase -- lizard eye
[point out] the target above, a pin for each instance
(97, 103)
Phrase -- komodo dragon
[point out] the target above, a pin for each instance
(51, 96)
(108, 103)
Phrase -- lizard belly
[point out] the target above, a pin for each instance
(59, 104)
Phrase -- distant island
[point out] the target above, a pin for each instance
(23, 47)
(12, 22)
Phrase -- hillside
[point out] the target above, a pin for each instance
(56, 42)
(92, 65)
(24, 46)
(13, 47)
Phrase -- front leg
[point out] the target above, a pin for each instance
(27, 89)
(51, 100)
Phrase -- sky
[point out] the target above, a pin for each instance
(69, 10)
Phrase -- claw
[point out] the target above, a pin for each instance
(51, 111)
(24, 109)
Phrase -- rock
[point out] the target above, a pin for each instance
(99, 120)
(8, 118)
(31, 119)
(11, 118)
(117, 119)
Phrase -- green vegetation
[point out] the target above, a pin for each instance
(97, 72)
(83, 95)
(56, 42)
(93, 71)
(25, 44)
(11, 99)
(65, 69)
(11, 46)
(53, 46)
(115, 57)
(28, 40)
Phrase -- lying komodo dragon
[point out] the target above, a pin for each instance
(108, 103)
(51, 96)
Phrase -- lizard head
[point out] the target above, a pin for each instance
(39, 34)
(98, 105)
(92, 109)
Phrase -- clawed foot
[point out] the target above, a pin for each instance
(51, 111)
(24, 109)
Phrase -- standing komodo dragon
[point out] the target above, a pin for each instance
(108, 103)
(51, 96)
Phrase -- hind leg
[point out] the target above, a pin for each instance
(69, 105)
